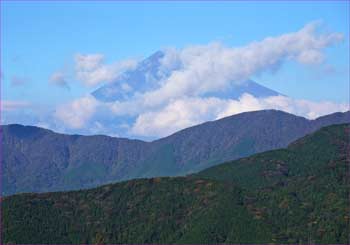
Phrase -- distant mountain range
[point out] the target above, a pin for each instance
(39, 160)
(150, 71)
(297, 195)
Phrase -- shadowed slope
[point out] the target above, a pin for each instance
(39, 160)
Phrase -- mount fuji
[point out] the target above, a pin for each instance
(148, 71)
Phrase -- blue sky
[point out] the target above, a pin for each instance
(39, 38)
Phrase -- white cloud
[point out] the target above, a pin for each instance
(305, 108)
(91, 69)
(177, 115)
(201, 69)
(310, 57)
(186, 112)
(78, 112)
(188, 75)
(12, 105)
(88, 62)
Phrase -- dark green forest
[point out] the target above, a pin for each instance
(299, 194)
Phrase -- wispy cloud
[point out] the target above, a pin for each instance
(91, 69)
(59, 79)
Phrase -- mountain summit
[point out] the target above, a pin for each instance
(150, 70)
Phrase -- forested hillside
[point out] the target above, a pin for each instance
(295, 195)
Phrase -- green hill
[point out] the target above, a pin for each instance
(301, 191)
(295, 195)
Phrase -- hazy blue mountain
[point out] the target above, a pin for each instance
(148, 71)
(39, 160)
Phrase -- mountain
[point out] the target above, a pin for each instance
(39, 160)
(296, 195)
(146, 74)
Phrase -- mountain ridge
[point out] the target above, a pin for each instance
(347, 113)
(50, 161)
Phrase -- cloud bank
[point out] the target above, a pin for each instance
(214, 67)
(76, 113)
(188, 76)
(186, 112)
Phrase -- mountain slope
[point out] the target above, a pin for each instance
(303, 191)
(141, 77)
(294, 195)
(39, 160)
(139, 211)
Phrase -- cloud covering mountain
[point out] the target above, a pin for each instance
(177, 88)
